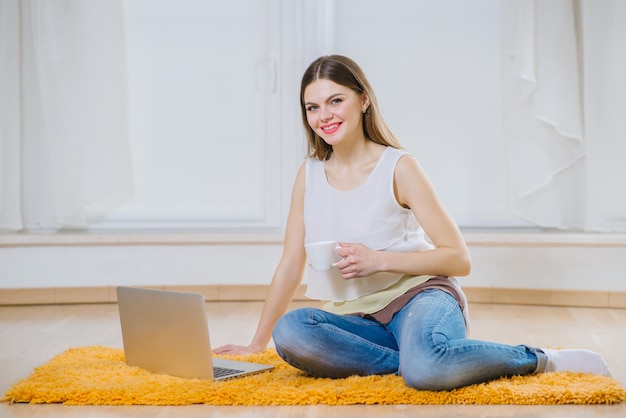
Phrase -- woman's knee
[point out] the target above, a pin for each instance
(289, 327)
(295, 341)
(429, 371)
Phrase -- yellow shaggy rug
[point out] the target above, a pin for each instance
(99, 376)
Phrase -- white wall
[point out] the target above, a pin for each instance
(136, 265)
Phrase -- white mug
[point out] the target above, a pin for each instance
(322, 255)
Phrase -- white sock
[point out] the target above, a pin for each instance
(580, 361)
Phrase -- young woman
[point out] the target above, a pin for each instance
(392, 304)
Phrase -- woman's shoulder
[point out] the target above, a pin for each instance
(407, 165)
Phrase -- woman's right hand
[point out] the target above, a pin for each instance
(236, 349)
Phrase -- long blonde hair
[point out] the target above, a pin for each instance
(344, 71)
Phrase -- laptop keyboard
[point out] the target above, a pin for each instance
(224, 371)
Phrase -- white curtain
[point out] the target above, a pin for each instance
(564, 94)
(63, 118)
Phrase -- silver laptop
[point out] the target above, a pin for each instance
(167, 332)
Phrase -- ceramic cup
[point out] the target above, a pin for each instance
(322, 255)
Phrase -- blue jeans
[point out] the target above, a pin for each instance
(425, 343)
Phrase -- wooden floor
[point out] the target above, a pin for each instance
(31, 335)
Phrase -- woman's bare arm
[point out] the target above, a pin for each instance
(287, 277)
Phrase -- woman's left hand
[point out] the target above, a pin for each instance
(358, 260)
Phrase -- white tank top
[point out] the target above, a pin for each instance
(369, 214)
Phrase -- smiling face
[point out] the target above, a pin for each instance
(334, 111)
